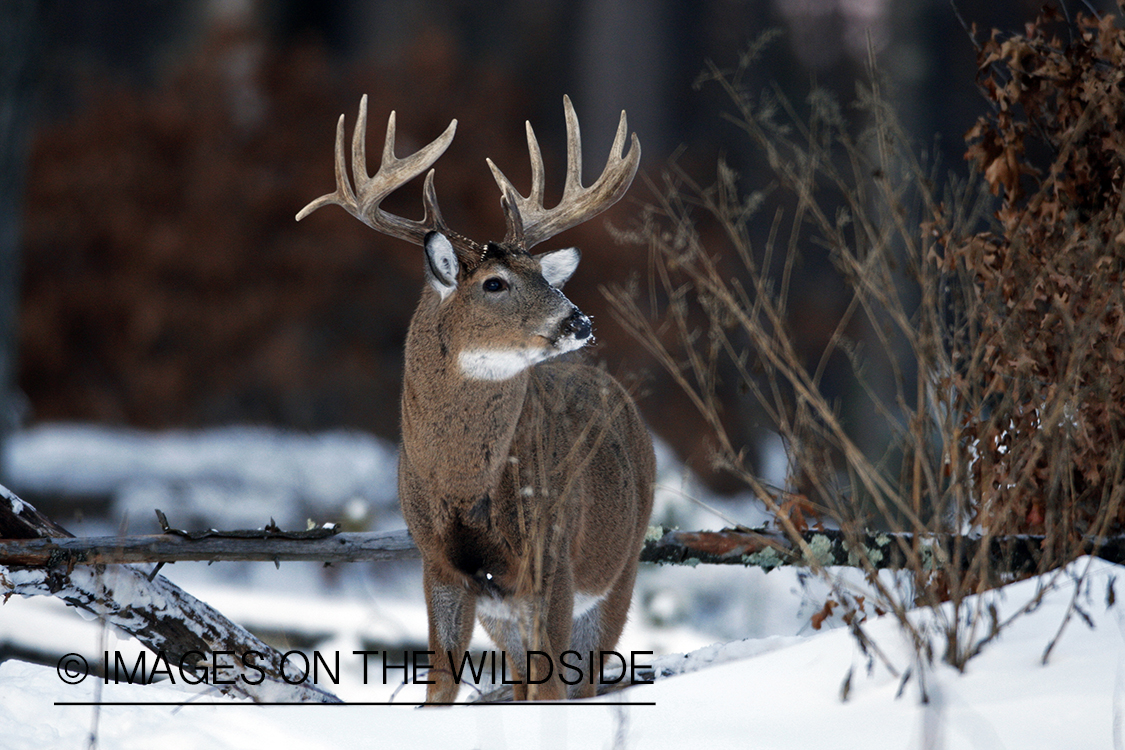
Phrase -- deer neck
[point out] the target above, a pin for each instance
(457, 433)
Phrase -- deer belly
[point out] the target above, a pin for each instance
(495, 608)
(583, 603)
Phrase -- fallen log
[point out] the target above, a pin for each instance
(1019, 554)
(753, 548)
(185, 632)
(167, 548)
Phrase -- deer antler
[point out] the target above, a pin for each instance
(529, 222)
(363, 201)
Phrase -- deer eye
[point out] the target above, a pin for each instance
(494, 284)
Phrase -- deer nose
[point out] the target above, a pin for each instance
(577, 325)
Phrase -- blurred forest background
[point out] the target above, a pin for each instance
(153, 155)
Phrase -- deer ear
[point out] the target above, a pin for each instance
(441, 263)
(557, 266)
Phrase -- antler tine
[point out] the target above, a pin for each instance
(509, 201)
(537, 179)
(363, 201)
(573, 183)
(432, 215)
(510, 198)
(343, 196)
(530, 221)
(359, 148)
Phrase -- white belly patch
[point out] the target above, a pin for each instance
(498, 609)
(495, 609)
(583, 603)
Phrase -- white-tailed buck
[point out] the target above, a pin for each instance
(525, 481)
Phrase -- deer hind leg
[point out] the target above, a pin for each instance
(503, 621)
(615, 608)
(450, 608)
(518, 628)
(586, 639)
(597, 626)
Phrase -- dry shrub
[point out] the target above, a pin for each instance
(1050, 277)
(985, 362)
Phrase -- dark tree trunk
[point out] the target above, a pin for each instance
(20, 27)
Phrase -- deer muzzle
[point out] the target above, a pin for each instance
(577, 326)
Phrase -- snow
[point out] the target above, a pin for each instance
(242, 475)
(738, 663)
(14, 502)
(780, 692)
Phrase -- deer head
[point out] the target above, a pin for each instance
(513, 286)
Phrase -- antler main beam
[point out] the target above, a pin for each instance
(363, 200)
(530, 222)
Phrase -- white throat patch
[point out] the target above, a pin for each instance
(498, 364)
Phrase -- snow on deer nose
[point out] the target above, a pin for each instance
(577, 325)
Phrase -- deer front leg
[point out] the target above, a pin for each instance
(450, 608)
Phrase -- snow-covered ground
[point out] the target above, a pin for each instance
(776, 692)
(743, 666)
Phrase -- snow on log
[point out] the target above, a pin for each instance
(186, 632)
(20, 519)
(877, 550)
